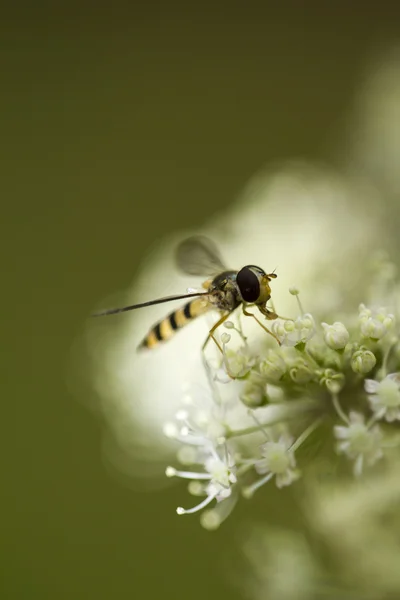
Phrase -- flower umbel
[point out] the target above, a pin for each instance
(313, 374)
(374, 323)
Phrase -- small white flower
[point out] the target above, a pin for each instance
(273, 366)
(292, 333)
(237, 362)
(279, 460)
(363, 361)
(359, 442)
(218, 473)
(374, 323)
(336, 336)
(384, 397)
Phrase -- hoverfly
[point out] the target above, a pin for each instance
(225, 290)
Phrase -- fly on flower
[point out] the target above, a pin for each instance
(225, 290)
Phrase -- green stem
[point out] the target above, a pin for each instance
(386, 358)
(300, 305)
(372, 421)
(244, 468)
(253, 428)
(311, 358)
(259, 427)
(338, 408)
(302, 438)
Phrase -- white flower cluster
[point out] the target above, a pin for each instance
(314, 372)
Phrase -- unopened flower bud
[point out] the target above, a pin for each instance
(225, 338)
(273, 367)
(363, 361)
(375, 323)
(336, 336)
(300, 373)
(254, 395)
(292, 333)
(332, 380)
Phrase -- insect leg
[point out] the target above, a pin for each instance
(269, 314)
(213, 329)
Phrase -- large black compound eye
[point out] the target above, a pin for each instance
(249, 285)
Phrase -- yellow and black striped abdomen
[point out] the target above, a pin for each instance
(165, 329)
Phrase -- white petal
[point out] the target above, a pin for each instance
(341, 432)
(374, 400)
(356, 417)
(380, 412)
(283, 479)
(343, 447)
(371, 386)
(261, 466)
(392, 414)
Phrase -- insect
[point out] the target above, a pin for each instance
(225, 291)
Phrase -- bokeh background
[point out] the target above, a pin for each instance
(120, 123)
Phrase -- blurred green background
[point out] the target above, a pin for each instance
(120, 123)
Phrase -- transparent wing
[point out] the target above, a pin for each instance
(198, 255)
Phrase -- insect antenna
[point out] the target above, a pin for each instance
(114, 311)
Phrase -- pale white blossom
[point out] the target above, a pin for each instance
(293, 332)
(384, 397)
(375, 322)
(237, 363)
(218, 477)
(336, 336)
(359, 442)
(278, 461)
(273, 366)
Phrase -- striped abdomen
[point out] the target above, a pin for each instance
(166, 328)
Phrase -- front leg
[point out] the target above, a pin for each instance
(269, 314)
(212, 331)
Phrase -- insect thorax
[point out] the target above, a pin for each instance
(225, 291)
